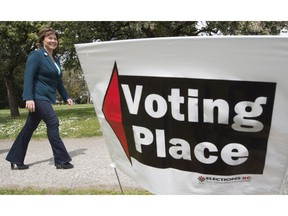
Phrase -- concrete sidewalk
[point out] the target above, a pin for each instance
(90, 157)
(92, 167)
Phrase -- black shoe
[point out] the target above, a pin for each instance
(19, 166)
(64, 166)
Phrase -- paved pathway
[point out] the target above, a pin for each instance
(92, 167)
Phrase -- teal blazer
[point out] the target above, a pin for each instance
(42, 78)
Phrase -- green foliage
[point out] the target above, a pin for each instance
(91, 31)
(244, 27)
(18, 38)
(17, 41)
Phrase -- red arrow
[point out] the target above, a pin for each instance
(112, 109)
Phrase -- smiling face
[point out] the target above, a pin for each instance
(50, 42)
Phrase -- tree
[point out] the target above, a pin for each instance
(243, 27)
(18, 40)
(91, 31)
(16, 43)
(86, 32)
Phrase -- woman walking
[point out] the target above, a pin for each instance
(42, 78)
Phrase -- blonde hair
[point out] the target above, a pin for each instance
(46, 31)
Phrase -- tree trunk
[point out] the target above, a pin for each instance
(12, 98)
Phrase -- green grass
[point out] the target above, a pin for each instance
(35, 191)
(75, 121)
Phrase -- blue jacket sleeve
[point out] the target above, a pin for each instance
(32, 66)
(62, 91)
(60, 87)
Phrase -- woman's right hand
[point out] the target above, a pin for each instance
(30, 105)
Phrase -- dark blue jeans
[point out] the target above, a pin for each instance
(44, 111)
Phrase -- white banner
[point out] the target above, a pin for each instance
(193, 115)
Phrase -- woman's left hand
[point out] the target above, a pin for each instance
(70, 102)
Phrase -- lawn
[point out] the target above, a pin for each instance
(35, 191)
(75, 122)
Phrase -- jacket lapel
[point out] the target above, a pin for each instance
(51, 62)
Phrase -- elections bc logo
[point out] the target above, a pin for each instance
(213, 179)
(216, 127)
